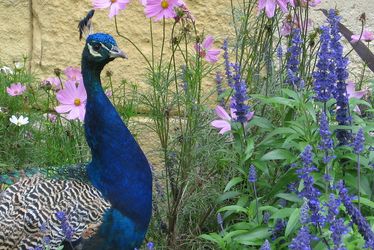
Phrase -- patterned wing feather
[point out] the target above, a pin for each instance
(28, 212)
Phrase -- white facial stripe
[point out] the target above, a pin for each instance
(105, 47)
(93, 53)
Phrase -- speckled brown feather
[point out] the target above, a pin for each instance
(31, 204)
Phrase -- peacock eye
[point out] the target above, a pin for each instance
(96, 46)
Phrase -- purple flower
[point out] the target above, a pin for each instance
(252, 176)
(266, 217)
(324, 77)
(309, 191)
(326, 144)
(240, 96)
(220, 89)
(302, 240)
(358, 145)
(304, 214)
(229, 74)
(340, 67)
(278, 229)
(363, 226)
(265, 246)
(337, 227)
(293, 60)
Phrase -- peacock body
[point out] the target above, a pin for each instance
(114, 210)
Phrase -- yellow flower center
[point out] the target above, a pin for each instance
(113, 1)
(164, 4)
(77, 102)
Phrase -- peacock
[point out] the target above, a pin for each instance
(112, 210)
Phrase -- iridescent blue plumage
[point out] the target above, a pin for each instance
(102, 38)
(119, 168)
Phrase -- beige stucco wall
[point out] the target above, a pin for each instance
(46, 31)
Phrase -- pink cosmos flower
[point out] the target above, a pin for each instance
(367, 36)
(72, 100)
(159, 9)
(224, 123)
(352, 93)
(205, 50)
(270, 5)
(114, 5)
(73, 74)
(143, 2)
(16, 89)
(52, 82)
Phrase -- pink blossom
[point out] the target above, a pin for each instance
(352, 93)
(159, 9)
(73, 74)
(72, 100)
(114, 5)
(205, 50)
(224, 123)
(16, 89)
(270, 6)
(367, 36)
(52, 82)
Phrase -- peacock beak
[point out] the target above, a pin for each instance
(116, 52)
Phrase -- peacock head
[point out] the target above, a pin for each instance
(101, 48)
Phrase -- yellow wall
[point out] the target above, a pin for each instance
(47, 30)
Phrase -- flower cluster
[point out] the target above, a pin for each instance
(358, 144)
(341, 63)
(309, 191)
(240, 96)
(337, 227)
(252, 176)
(226, 56)
(363, 226)
(293, 60)
(326, 144)
(219, 87)
(324, 77)
(302, 240)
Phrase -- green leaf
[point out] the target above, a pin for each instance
(365, 202)
(228, 195)
(289, 197)
(214, 237)
(232, 183)
(234, 208)
(283, 213)
(291, 94)
(257, 234)
(277, 154)
(293, 221)
(261, 122)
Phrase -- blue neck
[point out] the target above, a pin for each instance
(118, 168)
